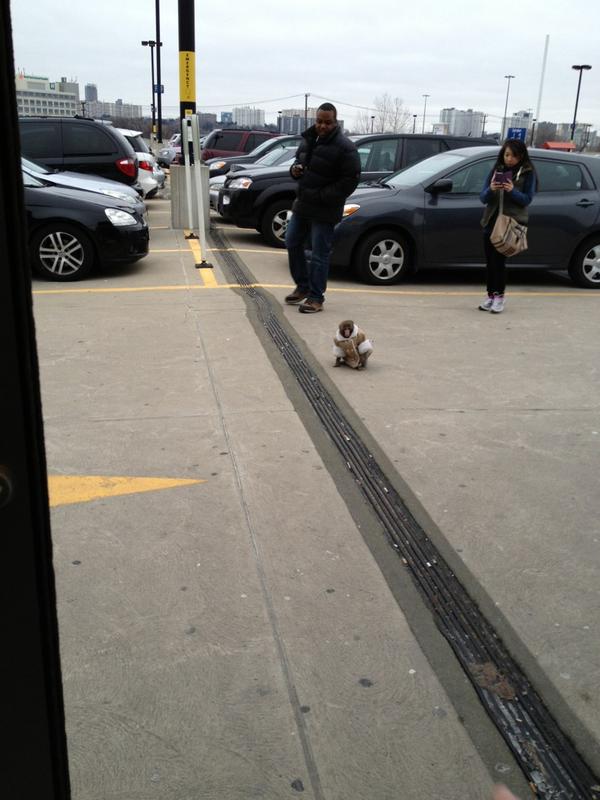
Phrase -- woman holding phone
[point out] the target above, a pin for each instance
(513, 176)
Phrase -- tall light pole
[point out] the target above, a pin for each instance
(372, 121)
(151, 44)
(508, 77)
(414, 122)
(532, 143)
(580, 68)
(158, 73)
(425, 111)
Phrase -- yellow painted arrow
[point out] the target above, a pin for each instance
(67, 489)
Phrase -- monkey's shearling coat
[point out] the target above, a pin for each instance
(353, 350)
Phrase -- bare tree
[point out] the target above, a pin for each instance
(388, 116)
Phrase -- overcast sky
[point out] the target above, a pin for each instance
(350, 52)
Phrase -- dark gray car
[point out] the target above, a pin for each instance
(428, 215)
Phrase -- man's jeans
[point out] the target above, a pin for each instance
(310, 277)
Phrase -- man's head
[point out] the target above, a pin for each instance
(326, 119)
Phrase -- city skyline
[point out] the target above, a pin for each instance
(456, 60)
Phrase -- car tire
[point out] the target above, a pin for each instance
(382, 258)
(62, 252)
(274, 222)
(584, 269)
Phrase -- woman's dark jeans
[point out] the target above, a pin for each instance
(496, 266)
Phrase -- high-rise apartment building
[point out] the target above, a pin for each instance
(463, 123)
(38, 96)
(100, 110)
(247, 117)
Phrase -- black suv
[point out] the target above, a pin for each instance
(262, 198)
(79, 145)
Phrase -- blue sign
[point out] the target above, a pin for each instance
(517, 133)
(159, 89)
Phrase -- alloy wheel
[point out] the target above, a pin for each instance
(61, 253)
(279, 224)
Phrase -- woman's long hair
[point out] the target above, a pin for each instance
(521, 152)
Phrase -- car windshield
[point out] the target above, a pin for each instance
(138, 144)
(276, 156)
(33, 166)
(423, 170)
(31, 182)
(261, 147)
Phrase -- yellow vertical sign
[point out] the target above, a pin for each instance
(187, 76)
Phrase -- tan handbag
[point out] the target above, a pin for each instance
(508, 236)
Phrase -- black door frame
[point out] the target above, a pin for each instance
(35, 751)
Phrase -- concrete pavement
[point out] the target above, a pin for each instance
(240, 637)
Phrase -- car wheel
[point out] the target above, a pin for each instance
(275, 221)
(62, 252)
(585, 267)
(382, 258)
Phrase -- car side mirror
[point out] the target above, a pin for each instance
(443, 185)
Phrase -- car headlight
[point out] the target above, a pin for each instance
(240, 183)
(120, 218)
(118, 195)
(218, 165)
(349, 209)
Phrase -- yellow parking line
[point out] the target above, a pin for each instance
(206, 274)
(212, 284)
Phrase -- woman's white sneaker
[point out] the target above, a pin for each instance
(486, 305)
(497, 304)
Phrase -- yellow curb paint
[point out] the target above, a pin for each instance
(207, 275)
(68, 489)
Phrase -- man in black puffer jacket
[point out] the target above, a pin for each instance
(327, 168)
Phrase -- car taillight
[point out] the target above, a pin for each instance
(127, 167)
(145, 165)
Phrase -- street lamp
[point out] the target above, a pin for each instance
(152, 44)
(506, 106)
(372, 121)
(425, 110)
(414, 122)
(580, 68)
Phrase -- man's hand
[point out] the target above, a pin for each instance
(297, 170)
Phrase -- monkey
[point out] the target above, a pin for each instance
(351, 346)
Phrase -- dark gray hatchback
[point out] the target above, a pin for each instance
(78, 145)
(428, 215)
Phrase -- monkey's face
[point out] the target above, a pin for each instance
(346, 327)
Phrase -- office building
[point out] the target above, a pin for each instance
(91, 92)
(38, 96)
(291, 120)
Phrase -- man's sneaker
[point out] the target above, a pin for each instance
(486, 304)
(497, 304)
(297, 296)
(310, 307)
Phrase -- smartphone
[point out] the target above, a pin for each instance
(502, 177)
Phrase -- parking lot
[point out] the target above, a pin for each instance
(246, 631)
